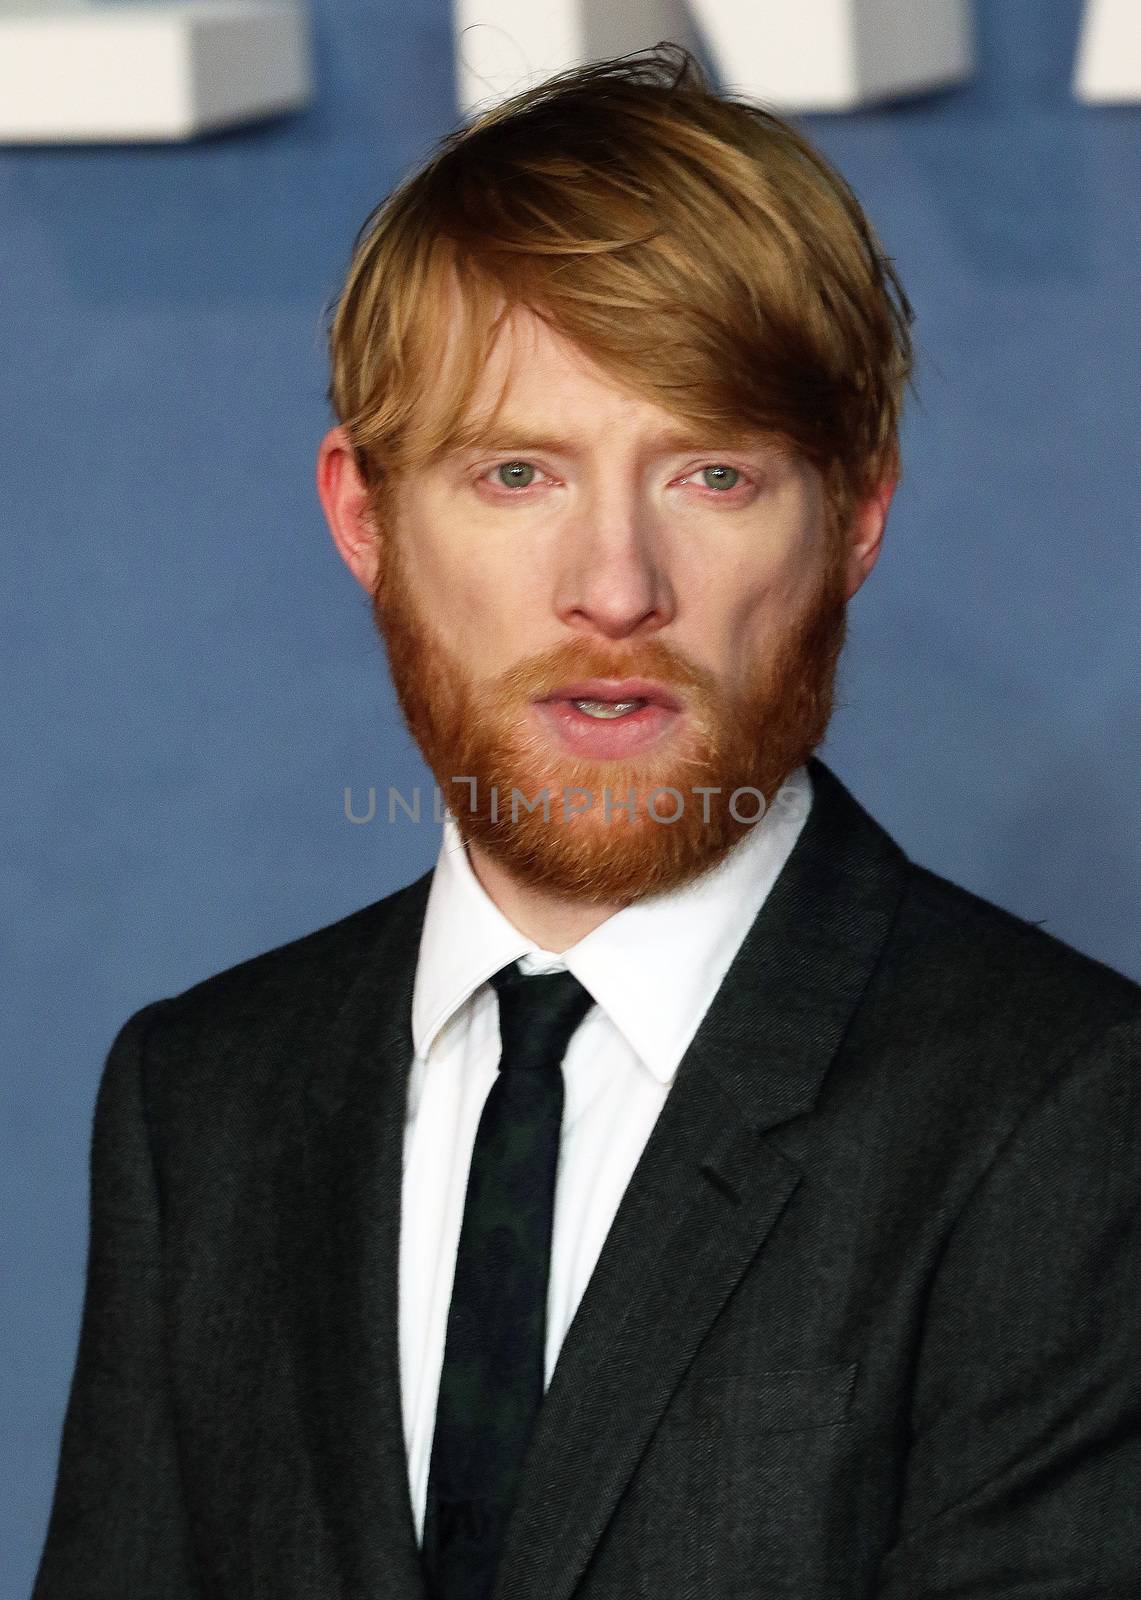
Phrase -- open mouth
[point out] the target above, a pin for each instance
(609, 717)
(611, 697)
(607, 708)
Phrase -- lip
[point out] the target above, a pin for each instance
(614, 689)
(619, 739)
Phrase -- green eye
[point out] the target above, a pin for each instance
(515, 474)
(720, 477)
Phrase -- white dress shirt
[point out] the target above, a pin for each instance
(652, 969)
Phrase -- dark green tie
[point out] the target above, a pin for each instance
(491, 1385)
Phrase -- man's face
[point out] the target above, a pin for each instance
(599, 606)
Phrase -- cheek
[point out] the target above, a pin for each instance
(736, 603)
(737, 615)
(484, 603)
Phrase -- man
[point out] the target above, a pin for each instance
(679, 1192)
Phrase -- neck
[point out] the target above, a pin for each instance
(553, 921)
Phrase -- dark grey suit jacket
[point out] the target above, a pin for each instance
(867, 1323)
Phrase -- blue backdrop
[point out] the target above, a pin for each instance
(192, 677)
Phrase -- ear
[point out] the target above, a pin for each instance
(865, 533)
(345, 501)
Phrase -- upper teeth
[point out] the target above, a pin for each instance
(607, 708)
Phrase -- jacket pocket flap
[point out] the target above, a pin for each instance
(779, 1401)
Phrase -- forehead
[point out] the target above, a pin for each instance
(536, 383)
(533, 368)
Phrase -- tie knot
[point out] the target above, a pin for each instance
(537, 1015)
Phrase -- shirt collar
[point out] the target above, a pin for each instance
(653, 967)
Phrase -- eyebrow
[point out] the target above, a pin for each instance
(510, 436)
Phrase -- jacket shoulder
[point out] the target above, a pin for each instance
(972, 1017)
(954, 970)
(321, 960)
(997, 973)
(254, 1021)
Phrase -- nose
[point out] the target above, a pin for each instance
(612, 579)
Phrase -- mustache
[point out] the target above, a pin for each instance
(538, 675)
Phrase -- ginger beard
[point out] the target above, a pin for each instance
(483, 733)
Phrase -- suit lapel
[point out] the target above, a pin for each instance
(346, 1267)
(707, 1190)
